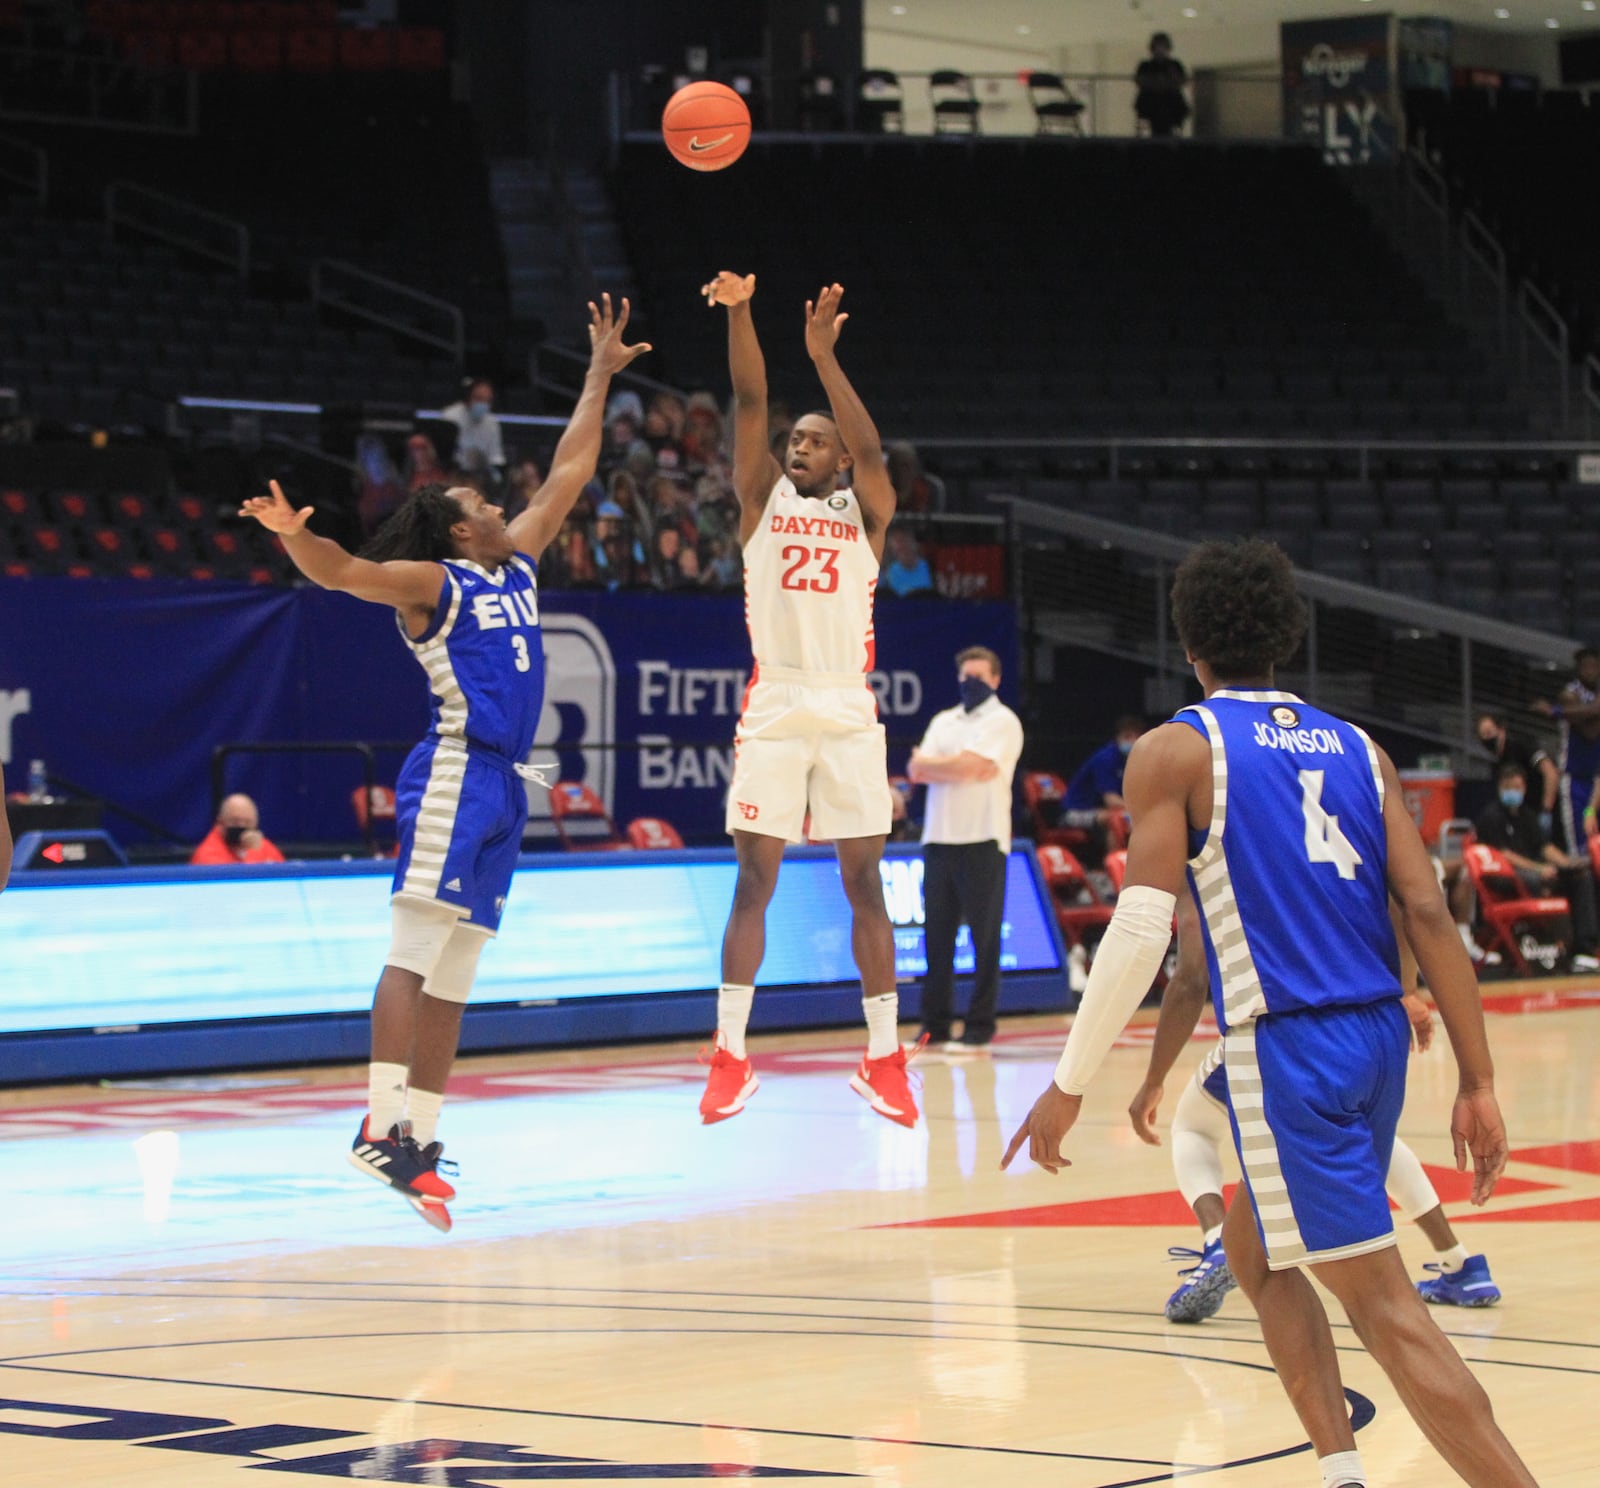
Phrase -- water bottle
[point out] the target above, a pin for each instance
(38, 781)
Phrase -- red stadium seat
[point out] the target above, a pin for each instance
(1116, 866)
(19, 506)
(130, 509)
(378, 809)
(148, 48)
(108, 546)
(1507, 907)
(311, 49)
(67, 507)
(366, 51)
(47, 547)
(581, 820)
(256, 51)
(203, 51)
(1043, 795)
(1080, 909)
(651, 833)
(419, 49)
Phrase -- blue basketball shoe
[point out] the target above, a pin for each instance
(1471, 1286)
(1205, 1283)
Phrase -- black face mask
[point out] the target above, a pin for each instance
(233, 836)
(975, 692)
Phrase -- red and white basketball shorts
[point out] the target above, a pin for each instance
(810, 744)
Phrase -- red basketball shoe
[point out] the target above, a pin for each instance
(885, 1084)
(730, 1084)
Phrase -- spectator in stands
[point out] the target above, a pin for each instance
(569, 562)
(1098, 784)
(479, 448)
(423, 466)
(624, 421)
(1577, 710)
(1511, 826)
(380, 488)
(1507, 748)
(702, 433)
(725, 570)
(236, 836)
(666, 560)
(619, 556)
(523, 485)
(673, 506)
(1160, 79)
(915, 490)
(907, 571)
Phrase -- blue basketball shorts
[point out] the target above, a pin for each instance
(460, 814)
(1314, 1097)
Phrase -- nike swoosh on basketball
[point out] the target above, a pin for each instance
(698, 148)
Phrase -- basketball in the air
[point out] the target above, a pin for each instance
(706, 126)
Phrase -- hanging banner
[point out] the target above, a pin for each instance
(1338, 87)
(126, 689)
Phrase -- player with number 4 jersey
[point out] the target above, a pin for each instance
(462, 583)
(809, 740)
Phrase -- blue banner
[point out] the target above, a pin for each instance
(126, 688)
(1338, 87)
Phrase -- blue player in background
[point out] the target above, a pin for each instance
(1293, 828)
(462, 581)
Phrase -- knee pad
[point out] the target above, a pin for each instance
(452, 974)
(420, 931)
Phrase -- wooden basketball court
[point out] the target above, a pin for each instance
(197, 1289)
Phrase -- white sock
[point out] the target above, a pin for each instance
(422, 1111)
(1454, 1258)
(1339, 1468)
(386, 1097)
(1211, 1236)
(883, 1024)
(733, 1013)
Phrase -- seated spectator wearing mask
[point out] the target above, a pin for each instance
(479, 450)
(1512, 825)
(1541, 771)
(236, 837)
(1098, 784)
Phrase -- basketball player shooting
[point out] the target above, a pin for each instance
(463, 584)
(808, 735)
(1295, 834)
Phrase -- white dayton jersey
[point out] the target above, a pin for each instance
(809, 739)
(809, 579)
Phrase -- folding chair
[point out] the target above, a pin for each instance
(651, 833)
(955, 105)
(1511, 914)
(372, 809)
(1080, 908)
(880, 104)
(1055, 109)
(581, 820)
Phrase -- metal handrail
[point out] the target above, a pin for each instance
(1114, 445)
(1420, 168)
(455, 343)
(1558, 344)
(549, 348)
(1421, 614)
(223, 752)
(1480, 247)
(34, 175)
(120, 195)
(105, 80)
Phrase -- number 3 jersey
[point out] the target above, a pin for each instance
(809, 579)
(484, 657)
(1292, 877)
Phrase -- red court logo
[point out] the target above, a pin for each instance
(748, 810)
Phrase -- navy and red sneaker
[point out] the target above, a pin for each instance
(398, 1161)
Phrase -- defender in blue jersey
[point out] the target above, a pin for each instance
(462, 582)
(1293, 832)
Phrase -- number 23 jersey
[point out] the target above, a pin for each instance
(1292, 877)
(809, 579)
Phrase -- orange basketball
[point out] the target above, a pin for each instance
(706, 126)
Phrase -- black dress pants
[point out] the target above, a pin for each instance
(962, 882)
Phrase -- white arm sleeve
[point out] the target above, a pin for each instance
(1125, 965)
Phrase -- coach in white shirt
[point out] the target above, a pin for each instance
(966, 759)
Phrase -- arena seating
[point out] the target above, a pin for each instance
(1514, 160)
(95, 332)
(1064, 288)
